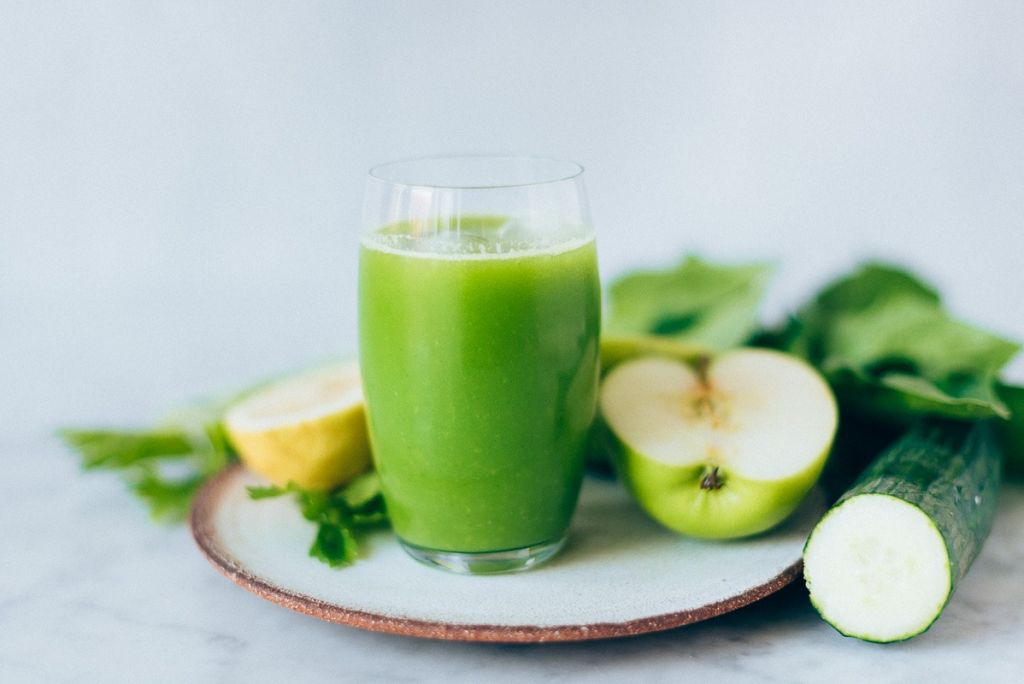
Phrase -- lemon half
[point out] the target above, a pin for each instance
(309, 429)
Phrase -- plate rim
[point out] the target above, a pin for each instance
(206, 537)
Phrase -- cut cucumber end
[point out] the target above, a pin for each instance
(877, 568)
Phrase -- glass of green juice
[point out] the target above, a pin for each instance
(479, 313)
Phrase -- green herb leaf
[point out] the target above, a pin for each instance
(334, 545)
(340, 515)
(695, 302)
(887, 345)
(362, 491)
(121, 449)
(168, 500)
(165, 466)
(256, 493)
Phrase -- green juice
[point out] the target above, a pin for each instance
(480, 367)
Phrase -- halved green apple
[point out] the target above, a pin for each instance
(726, 447)
(616, 349)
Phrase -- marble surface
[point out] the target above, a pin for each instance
(180, 188)
(91, 591)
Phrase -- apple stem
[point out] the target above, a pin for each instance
(704, 405)
(701, 366)
(711, 480)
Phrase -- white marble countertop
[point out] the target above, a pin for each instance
(180, 186)
(92, 591)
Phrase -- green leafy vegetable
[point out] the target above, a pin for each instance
(118, 449)
(169, 500)
(165, 466)
(887, 345)
(339, 515)
(695, 302)
(1011, 432)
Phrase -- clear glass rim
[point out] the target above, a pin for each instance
(570, 171)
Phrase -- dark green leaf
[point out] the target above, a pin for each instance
(868, 286)
(887, 346)
(695, 302)
(334, 545)
(898, 397)
(312, 504)
(862, 289)
(1011, 432)
(918, 334)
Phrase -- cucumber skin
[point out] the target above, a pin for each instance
(951, 472)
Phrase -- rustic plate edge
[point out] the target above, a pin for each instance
(205, 535)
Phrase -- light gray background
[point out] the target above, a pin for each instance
(180, 182)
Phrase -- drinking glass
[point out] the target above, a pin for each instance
(479, 313)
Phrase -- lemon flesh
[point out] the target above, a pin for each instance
(309, 429)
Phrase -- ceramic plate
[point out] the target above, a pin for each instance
(619, 575)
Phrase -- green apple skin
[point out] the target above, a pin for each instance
(672, 495)
(618, 348)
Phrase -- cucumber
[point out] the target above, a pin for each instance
(885, 560)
